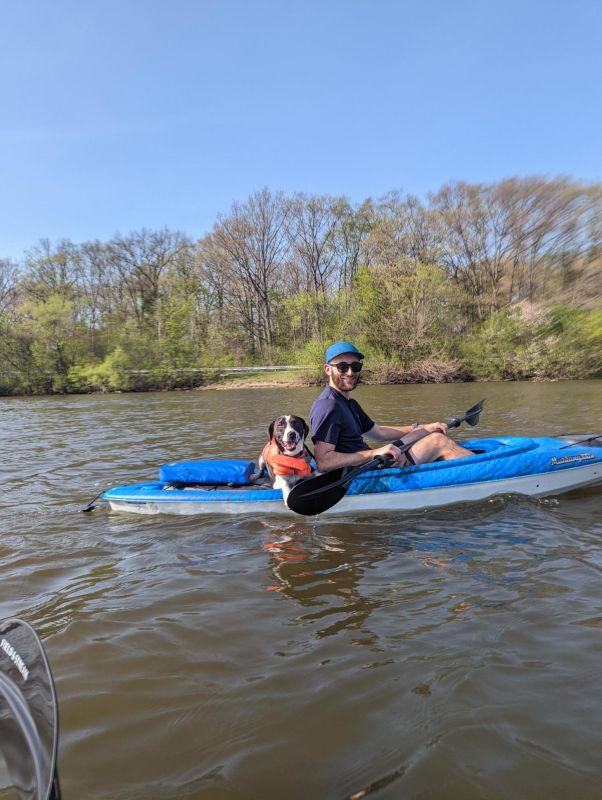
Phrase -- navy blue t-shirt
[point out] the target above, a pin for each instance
(335, 420)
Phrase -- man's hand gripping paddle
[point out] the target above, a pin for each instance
(319, 493)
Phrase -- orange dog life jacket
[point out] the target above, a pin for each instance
(279, 464)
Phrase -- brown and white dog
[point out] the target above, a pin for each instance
(285, 456)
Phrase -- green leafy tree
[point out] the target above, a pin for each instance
(57, 339)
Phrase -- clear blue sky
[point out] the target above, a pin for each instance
(117, 115)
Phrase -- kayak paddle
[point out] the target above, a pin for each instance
(91, 505)
(316, 494)
(28, 713)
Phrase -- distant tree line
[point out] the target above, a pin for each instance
(496, 280)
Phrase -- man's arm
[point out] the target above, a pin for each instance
(328, 458)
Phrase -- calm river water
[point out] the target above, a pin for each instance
(454, 654)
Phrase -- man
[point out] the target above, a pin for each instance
(339, 423)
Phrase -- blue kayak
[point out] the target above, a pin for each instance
(536, 467)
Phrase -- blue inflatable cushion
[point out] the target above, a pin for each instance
(216, 472)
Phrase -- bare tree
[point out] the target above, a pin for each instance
(250, 244)
(550, 234)
(140, 260)
(312, 231)
(351, 233)
(9, 274)
(52, 270)
(100, 292)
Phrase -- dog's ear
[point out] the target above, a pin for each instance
(305, 429)
(271, 429)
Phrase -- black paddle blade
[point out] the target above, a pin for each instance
(315, 495)
(91, 505)
(473, 414)
(28, 713)
(471, 417)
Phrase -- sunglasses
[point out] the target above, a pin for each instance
(344, 366)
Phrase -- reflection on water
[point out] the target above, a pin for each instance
(445, 654)
(329, 574)
(322, 574)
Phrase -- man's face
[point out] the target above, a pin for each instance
(343, 381)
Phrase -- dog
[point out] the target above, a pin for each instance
(285, 457)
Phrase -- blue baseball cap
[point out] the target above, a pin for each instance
(339, 348)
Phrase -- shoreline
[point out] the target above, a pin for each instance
(255, 384)
(240, 383)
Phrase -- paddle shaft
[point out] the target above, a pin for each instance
(583, 441)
